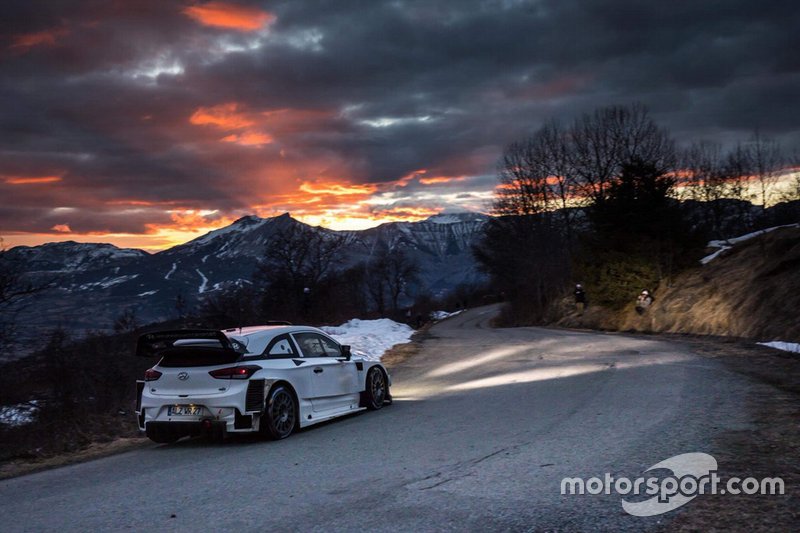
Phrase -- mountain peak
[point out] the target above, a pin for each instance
(247, 220)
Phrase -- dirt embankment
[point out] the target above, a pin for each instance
(750, 291)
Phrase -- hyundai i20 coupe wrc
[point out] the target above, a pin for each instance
(267, 379)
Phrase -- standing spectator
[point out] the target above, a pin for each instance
(644, 301)
(580, 299)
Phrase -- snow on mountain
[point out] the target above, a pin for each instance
(455, 218)
(95, 283)
(72, 256)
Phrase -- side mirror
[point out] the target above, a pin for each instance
(346, 353)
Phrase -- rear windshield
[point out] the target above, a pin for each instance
(188, 356)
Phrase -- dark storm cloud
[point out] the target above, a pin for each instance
(102, 93)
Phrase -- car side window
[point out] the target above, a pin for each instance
(332, 349)
(316, 345)
(280, 347)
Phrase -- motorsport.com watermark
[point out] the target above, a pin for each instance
(693, 474)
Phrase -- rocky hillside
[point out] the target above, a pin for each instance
(747, 287)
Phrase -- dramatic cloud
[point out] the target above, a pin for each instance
(143, 123)
(229, 16)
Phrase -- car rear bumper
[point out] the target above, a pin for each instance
(228, 411)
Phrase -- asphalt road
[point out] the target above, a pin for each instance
(485, 424)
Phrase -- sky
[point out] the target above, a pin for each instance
(147, 123)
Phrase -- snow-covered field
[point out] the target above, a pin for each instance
(370, 338)
(785, 346)
(729, 243)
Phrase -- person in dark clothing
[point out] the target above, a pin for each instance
(580, 298)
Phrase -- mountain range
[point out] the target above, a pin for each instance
(95, 283)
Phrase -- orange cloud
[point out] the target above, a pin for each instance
(194, 220)
(138, 203)
(249, 138)
(229, 16)
(62, 228)
(44, 37)
(435, 180)
(224, 116)
(338, 189)
(31, 180)
(405, 214)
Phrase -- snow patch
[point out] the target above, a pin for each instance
(785, 346)
(172, 271)
(20, 414)
(727, 244)
(441, 315)
(244, 224)
(444, 219)
(370, 338)
(148, 293)
(204, 284)
(106, 283)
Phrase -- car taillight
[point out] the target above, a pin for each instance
(235, 372)
(151, 375)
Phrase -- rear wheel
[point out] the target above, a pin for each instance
(280, 414)
(377, 389)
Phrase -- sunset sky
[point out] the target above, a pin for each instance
(145, 123)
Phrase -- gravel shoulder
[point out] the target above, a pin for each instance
(770, 448)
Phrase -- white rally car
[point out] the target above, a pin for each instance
(270, 379)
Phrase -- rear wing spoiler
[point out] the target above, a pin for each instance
(158, 342)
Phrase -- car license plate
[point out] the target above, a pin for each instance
(184, 410)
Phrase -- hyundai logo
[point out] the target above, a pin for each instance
(183, 376)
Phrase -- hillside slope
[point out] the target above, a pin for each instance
(93, 284)
(751, 290)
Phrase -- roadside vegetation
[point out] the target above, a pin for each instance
(612, 201)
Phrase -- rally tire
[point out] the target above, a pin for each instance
(377, 389)
(281, 415)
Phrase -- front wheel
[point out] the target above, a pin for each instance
(280, 414)
(377, 389)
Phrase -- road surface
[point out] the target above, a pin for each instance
(485, 424)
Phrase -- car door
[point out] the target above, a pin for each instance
(333, 380)
(283, 350)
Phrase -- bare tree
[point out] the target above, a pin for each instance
(792, 190)
(375, 283)
(298, 262)
(401, 273)
(705, 180)
(390, 274)
(556, 169)
(304, 255)
(737, 172)
(536, 178)
(766, 162)
(605, 140)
